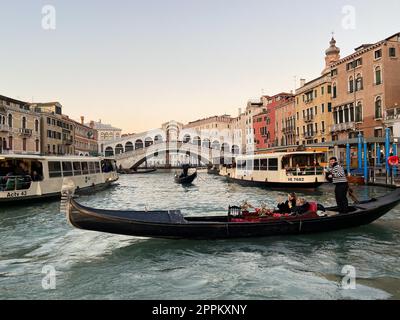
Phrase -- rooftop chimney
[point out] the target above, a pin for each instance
(82, 120)
(92, 124)
(240, 111)
(302, 82)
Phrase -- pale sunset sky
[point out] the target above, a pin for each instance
(136, 64)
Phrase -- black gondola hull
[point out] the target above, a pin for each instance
(186, 180)
(220, 228)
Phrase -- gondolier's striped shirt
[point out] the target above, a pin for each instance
(338, 174)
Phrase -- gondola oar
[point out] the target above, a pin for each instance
(353, 196)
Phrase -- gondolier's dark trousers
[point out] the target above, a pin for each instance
(341, 190)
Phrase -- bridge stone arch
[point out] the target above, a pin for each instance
(109, 152)
(148, 142)
(206, 143)
(158, 138)
(129, 146)
(225, 146)
(139, 144)
(186, 138)
(137, 157)
(197, 140)
(119, 149)
(216, 145)
(235, 149)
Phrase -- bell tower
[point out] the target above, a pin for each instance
(332, 55)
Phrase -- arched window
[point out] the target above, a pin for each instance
(206, 143)
(235, 149)
(186, 138)
(358, 113)
(215, 145)
(138, 144)
(148, 142)
(378, 75)
(359, 82)
(109, 152)
(334, 91)
(10, 120)
(351, 85)
(23, 123)
(378, 108)
(158, 139)
(225, 147)
(197, 141)
(37, 125)
(119, 149)
(352, 112)
(128, 146)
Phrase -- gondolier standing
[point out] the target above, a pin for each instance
(337, 176)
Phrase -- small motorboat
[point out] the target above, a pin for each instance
(186, 179)
(213, 170)
(236, 224)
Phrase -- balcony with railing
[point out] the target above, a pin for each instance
(68, 141)
(4, 128)
(343, 127)
(309, 135)
(25, 132)
(309, 118)
(289, 130)
(308, 100)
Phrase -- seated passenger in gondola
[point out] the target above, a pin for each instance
(302, 207)
(305, 207)
(289, 205)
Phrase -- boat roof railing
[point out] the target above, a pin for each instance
(42, 157)
(277, 155)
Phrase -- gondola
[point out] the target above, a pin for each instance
(185, 180)
(138, 171)
(173, 225)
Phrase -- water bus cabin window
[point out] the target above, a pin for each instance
(303, 164)
(77, 169)
(264, 164)
(256, 164)
(54, 169)
(91, 168)
(19, 174)
(241, 165)
(85, 168)
(97, 166)
(67, 169)
(250, 165)
(273, 164)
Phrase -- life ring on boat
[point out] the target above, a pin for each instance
(393, 160)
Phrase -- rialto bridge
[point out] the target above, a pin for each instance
(173, 145)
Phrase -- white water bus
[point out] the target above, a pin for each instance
(30, 177)
(278, 170)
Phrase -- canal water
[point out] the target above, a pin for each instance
(35, 239)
